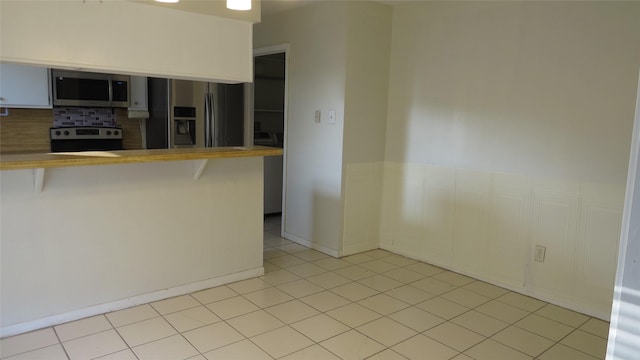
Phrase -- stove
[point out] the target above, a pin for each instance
(85, 138)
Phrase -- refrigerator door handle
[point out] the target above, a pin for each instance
(212, 119)
(208, 139)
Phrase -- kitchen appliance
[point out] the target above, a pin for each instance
(185, 113)
(78, 88)
(265, 138)
(85, 138)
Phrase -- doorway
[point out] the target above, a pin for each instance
(269, 123)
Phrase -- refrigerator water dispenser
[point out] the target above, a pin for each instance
(184, 126)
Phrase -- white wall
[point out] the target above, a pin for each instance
(126, 37)
(367, 82)
(102, 237)
(317, 40)
(508, 126)
(624, 333)
(551, 82)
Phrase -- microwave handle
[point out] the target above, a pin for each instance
(110, 90)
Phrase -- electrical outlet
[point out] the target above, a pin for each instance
(317, 116)
(540, 253)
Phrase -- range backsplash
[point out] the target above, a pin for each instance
(27, 130)
(79, 116)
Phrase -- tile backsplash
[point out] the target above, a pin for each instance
(27, 130)
(75, 116)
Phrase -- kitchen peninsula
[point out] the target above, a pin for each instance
(11, 161)
(101, 231)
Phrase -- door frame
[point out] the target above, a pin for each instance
(276, 49)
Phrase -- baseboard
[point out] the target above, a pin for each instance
(309, 244)
(546, 297)
(358, 248)
(129, 302)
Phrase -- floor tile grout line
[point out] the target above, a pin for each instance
(533, 313)
(520, 351)
(293, 352)
(576, 327)
(363, 324)
(455, 287)
(120, 335)
(138, 322)
(182, 335)
(36, 349)
(310, 260)
(571, 347)
(558, 342)
(96, 333)
(245, 337)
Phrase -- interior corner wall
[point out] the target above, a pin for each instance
(509, 126)
(367, 82)
(317, 38)
(126, 37)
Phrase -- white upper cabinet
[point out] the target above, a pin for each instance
(23, 86)
(138, 88)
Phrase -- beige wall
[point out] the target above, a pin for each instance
(509, 126)
(367, 81)
(126, 37)
(338, 59)
(123, 235)
(317, 38)
(531, 88)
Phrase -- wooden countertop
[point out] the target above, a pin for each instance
(9, 161)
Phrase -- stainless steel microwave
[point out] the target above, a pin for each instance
(78, 88)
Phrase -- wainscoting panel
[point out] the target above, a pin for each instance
(471, 215)
(488, 225)
(389, 204)
(407, 218)
(438, 195)
(597, 247)
(508, 228)
(554, 225)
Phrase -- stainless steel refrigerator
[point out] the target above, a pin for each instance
(194, 114)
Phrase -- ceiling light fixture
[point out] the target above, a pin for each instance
(168, 1)
(239, 4)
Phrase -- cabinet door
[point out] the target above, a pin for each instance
(138, 87)
(23, 86)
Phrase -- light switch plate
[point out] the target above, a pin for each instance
(332, 116)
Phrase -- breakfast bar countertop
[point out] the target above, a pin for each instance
(17, 161)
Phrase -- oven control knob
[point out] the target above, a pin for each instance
(108, 132)
(66, 132)
(115, 132)
(58, 132)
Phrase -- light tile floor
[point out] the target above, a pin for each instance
(375, 305)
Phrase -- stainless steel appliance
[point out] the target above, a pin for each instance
(78, 88)
(194, 114)
(85, 138)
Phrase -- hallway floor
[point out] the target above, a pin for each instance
(375, 305)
